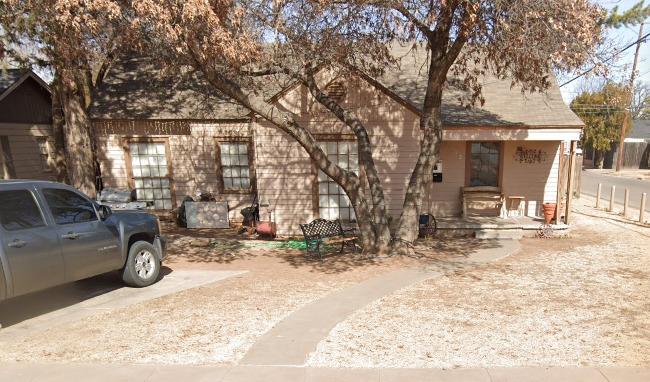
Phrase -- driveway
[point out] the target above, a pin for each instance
(40, 311)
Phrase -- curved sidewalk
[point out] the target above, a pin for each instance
(290, 342)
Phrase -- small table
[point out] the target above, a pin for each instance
(514, 203)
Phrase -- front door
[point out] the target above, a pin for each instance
(32, 249)
(89, 247)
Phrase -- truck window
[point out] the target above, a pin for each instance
(68, 207)
(19, 210)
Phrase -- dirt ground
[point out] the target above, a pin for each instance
(583, 300)
(216, 323)
(573, 301)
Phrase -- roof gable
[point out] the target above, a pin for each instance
(11, 79)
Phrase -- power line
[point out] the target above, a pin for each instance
(641, 40)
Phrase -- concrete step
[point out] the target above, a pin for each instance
(513, 234)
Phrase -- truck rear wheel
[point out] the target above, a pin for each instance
(142, 265)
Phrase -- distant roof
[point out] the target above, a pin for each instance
(11, 78)
(138, 88)
(503, 105)
(640, 129)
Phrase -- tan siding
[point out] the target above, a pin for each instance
(284, 178)
(193, 160)
(444, 198)
(23, 142)
(284, 170)
(536, 181)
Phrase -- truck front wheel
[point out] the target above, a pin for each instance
(142, 266)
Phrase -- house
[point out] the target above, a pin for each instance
(637, 149)
(637, 146)
(170, 138)
(26, 140)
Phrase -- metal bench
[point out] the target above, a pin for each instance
(320, 229)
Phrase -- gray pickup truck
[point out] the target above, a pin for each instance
(51, 234)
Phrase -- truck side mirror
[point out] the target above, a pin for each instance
(104, 211)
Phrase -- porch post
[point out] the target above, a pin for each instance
(572, 164)
(560, 185)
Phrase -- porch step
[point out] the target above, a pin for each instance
(512, 234)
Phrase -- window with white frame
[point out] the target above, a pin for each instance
(150, 173)
(236, 170)
(44, 152)
(333, 202)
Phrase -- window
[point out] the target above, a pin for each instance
(19, 210)
(7, 170)
(333, 202)
(44, 151)
(236, 169)
(151, 174)
(484, 165)
(337, 91)
(68, 207)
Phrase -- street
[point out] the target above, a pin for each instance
(591, 179)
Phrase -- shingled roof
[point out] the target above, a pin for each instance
(503, 105)
(9, 77)
(138, 89)
(640, 129)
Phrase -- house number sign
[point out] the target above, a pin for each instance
(524, 155)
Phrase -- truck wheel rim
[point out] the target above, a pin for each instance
(145, 264)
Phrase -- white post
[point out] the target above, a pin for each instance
(600, 190)
(626, 202)
(642, 211)
(611, 199)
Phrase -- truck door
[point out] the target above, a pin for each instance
(31, 247)
(88, 246)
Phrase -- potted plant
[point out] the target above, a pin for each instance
(549, 212)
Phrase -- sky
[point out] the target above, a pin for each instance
(622, 37)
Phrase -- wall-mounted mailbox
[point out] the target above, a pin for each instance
(437, 172)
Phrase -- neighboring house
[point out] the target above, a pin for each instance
(169, 139)
(637, 149)
(25, 126)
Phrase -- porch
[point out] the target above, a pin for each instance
(492, 227)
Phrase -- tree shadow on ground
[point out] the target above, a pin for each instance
(211, 246)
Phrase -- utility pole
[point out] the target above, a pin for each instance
(626, 116)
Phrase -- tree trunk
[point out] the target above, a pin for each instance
(78, 141)
(599, 159)
(58, 160)
(431, 126)
(379, 222)
(285, 121)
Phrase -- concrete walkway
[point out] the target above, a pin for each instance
(156, 373)
(292, 340)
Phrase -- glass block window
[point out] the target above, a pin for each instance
(484, 166)
(333, 202)
(44, 152)
(236, 171)
(150, 174)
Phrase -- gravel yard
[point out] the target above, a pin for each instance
(583, 300)
(216, 323)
